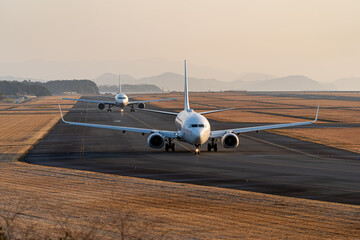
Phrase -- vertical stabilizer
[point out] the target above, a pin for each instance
(187, 107)
(119, 84)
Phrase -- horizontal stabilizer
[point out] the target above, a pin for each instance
(157, 111)
(214, 111)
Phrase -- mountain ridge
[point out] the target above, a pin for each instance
(169, 81)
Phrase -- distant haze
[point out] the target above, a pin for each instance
(222, 40)
(253, 82)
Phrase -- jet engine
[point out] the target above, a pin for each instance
(156, 140)
(141, 105)
(101, 106)
(230, 140)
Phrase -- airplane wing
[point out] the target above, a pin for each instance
(214, 111)
(157, 111)
(155, 100)
(220, 133)
(92, 101)
(169, 134)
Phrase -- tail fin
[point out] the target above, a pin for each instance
(119, 84)
(187, 106)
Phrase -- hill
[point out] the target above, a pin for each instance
(173, 81)
(251, 81)
(48, 88)
(78, 86)
(288, 83)
(23, 88)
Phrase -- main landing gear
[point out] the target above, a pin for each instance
(212, 145)
(109, 109)
(169, 146)
(132, 109)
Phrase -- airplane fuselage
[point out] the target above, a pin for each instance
(121, 100)
(193, 128)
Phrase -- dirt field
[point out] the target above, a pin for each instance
(38, 201)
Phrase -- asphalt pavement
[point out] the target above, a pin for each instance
(263, 162)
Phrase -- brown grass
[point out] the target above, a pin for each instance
(20, 131)
(48, 201)
(343, 138)
(80, 201)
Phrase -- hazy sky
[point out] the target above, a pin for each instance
(316, 38)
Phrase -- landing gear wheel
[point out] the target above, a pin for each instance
(173, 147)
(132, 110)
(109, 110)
(209, 147)
(215, 147)
(197, 150)
(167, 147)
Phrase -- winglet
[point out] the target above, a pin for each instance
(317, 113)
(61, 114)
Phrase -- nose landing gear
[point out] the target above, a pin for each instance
(197, 149)
(212, 145)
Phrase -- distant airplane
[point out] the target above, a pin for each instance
(192, 128)
(121, 101)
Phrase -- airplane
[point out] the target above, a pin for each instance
(121, 101)
(192, 128)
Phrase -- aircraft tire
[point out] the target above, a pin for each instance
(209, 147)
(173, 147)
(167, 147)
(215, 147)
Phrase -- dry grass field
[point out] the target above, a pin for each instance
(50, 201)
(20, 128)
(38, 201)
(342, 138)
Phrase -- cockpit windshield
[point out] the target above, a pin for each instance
(121, 98)
(197, 125)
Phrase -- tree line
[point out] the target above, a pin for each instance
(45, 89)
(23, 88)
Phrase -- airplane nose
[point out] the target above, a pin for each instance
(200, 136)
(197, 139)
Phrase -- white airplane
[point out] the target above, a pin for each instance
(192, 128)
(121, 101)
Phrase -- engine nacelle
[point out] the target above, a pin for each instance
(141, 105)
(156, 140)
(230, 140)
(101, 106)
